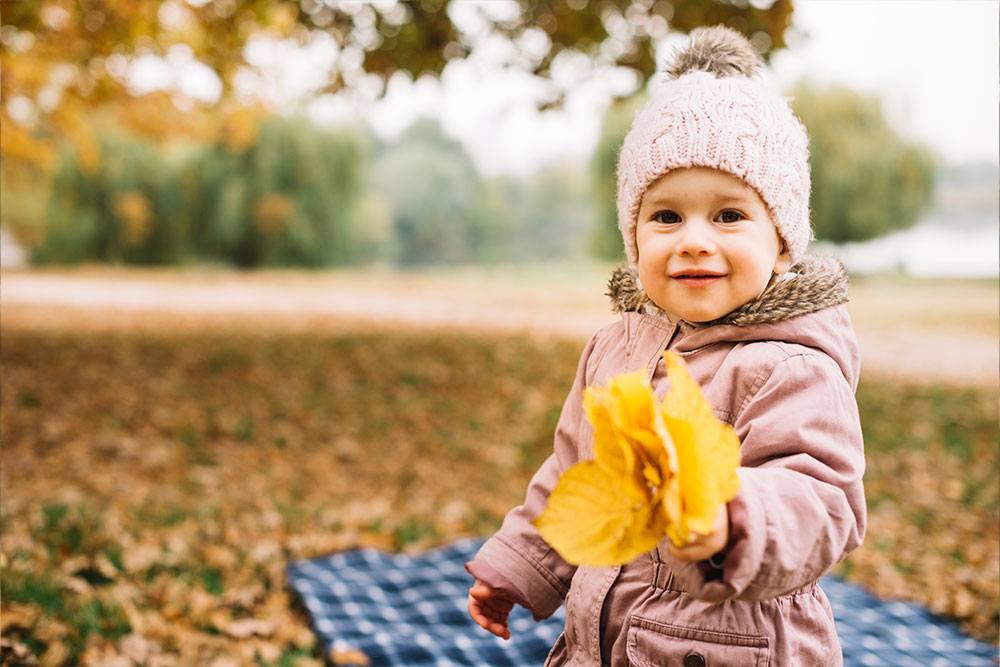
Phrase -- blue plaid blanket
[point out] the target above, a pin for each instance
(411, 611)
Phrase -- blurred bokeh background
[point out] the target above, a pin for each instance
(311, 134)
(281, 278)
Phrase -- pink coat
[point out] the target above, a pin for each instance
(787, 388)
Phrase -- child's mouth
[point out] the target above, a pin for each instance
(697, 278)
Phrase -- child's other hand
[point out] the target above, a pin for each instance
(489, 607)
(706, 546)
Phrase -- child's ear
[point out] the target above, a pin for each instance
(783, 261)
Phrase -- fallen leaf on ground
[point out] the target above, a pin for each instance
(349, 657)
(249, 627)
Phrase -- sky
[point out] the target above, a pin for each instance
(934, 63)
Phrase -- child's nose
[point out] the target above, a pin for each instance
(696, 239)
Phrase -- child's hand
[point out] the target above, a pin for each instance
(706, 546)
(489, 607)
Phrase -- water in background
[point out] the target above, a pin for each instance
(935, 248)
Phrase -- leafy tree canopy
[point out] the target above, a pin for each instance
(61, 58)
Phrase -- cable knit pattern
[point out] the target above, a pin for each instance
(734, 124)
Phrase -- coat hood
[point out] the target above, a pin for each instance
(813, 285)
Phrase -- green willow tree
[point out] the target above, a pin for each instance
(287, 199)
(284, 196)
(120, 212)
(867, 180)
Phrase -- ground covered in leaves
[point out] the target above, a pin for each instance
(156, 482)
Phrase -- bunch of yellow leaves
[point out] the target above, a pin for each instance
(659, 469)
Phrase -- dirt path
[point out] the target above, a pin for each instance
(923, 332)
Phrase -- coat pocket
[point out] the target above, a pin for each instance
(655, 644)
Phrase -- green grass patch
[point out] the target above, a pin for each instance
(28, 399)
(39, 589)
(156, 515)
(413, 530)
(84, 616)
(94, 616)
(71, 529)
(211, 579)
(245, 428)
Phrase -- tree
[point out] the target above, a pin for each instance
(285, 198)
(432, 187)
(67, 62)
(125, 210)
(867, 180)
(276, 193)
(542, 216)
(61, 58)
(606, 239)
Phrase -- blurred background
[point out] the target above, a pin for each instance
(311, 134)
(269, 268)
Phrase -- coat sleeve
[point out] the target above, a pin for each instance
(801, 507)
(516, 558)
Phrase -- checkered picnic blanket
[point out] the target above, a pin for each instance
(410, 611)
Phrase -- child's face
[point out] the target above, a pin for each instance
(706, 243)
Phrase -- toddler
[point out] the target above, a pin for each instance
(713, 206)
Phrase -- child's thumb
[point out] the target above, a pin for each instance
(482, 591)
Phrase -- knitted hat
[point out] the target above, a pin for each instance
(711, 113)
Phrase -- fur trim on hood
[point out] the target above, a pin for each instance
(813, 284)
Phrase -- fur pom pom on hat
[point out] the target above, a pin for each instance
(713, 113)
(719, 51)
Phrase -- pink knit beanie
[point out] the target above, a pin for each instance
(711, 113)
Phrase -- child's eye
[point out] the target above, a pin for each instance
(731, 215)
(666, 217)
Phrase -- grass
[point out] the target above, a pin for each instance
(155, 483)
(68, 620)
(932, 494)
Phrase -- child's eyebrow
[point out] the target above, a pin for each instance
(655, 201)
(747, 195)
(735, 192)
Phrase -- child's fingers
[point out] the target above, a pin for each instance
(498, 608)
(494, 610)
(491, 617)
(705, 546)
(482, 591)
(495, 628)
(489, 608)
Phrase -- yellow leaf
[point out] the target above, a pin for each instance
(593, 517)
(708, 454)
(624, 413)
(659, 470)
